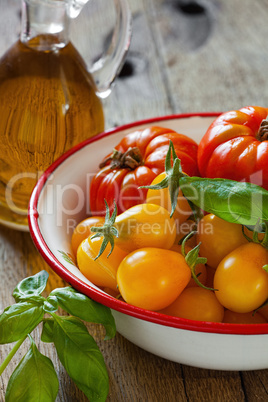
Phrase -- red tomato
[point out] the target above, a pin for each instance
(136, 161)
(234, 147)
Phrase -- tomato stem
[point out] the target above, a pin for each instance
(172, 180)
(108, 231)
(192, 259)
(265, 239)
(262, 134)
(131, 159)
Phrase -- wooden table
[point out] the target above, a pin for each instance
(185, 56)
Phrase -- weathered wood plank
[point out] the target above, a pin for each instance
(216, 59)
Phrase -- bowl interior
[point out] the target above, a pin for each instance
(60, 200)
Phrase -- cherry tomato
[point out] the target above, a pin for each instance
(136, 161)
(241, 281)
(101, 272)
(210, 276)
(162, 197)
(152, 278)
(82, 230)
(200, 269)
(264, 311)
(243, 318)
(183, 229)
(218, 238)
(196, 303)
(236, 147)
(145, 225)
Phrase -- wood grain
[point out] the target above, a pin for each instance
(185, 56)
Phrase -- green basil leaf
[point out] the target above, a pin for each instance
(81, 357)
(51, 304)
(31, 286)
(19, 320)
(81, 306)
(34, 379)
(237, 202)
(47, 332)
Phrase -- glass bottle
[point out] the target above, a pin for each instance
(48, 98)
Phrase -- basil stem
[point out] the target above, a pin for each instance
(11, 354)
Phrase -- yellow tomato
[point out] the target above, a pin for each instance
(152, 278)
(264, 311)
(82, 230)
(184, 229)
(243, 318)
(218, 238)
(196, 303)
(241, 281)
(145, 225)
(162, 197)
(101, 272)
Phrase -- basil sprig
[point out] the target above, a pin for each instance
(35, 379)
(236, 202)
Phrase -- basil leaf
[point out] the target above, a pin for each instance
(19, 320)
(51, 304)
(47, 332)
(237, 202)
(33, 285)
(81, 306)
(81, 357)
(34, 379)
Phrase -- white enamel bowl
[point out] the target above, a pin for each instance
(60, 200)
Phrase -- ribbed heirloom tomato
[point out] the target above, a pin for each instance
(136, 161)
(235, 146)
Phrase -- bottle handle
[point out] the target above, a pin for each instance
(106, 69)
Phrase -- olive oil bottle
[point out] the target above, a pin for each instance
(47, 104)
(48, 99)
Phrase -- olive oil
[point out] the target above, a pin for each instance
(48, 103)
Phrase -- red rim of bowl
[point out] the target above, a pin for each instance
(98, 295)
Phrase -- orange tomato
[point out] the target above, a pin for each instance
(210, 276)
(264, 311)
(243, 318)
(184, 229)
(196, 303)
(101, 272)
(82, 230)
(145, 225)
(241, 281)
(152, 278)
(218, 238)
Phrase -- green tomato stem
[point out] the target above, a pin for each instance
(11, 354)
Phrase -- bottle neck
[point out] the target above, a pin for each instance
(45, 24)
